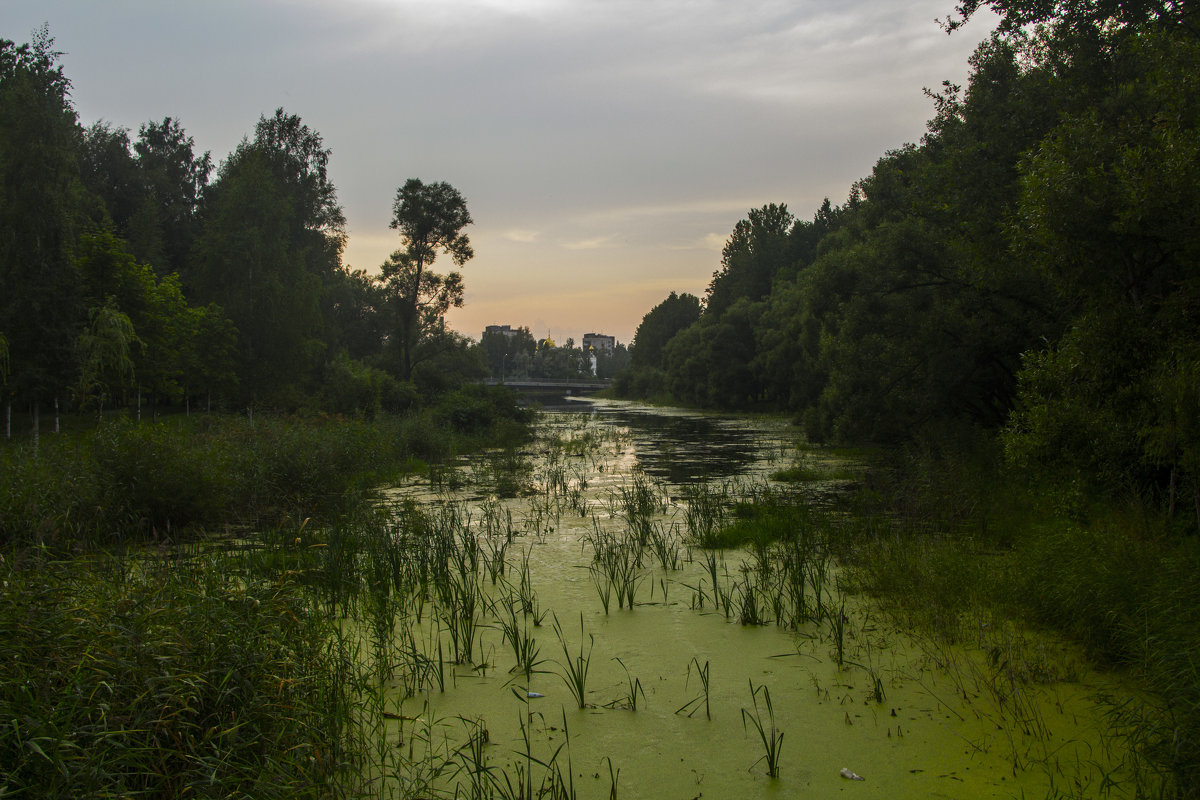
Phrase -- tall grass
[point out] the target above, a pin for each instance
(166, 678)
(172, 663)
(122, 480)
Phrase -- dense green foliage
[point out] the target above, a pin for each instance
(1029, 268)
(130, 271)
(1011, 306)
(646, 376)
(125, 481)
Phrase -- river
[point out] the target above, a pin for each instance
(681, 699)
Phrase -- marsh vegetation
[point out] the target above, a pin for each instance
(559, 618)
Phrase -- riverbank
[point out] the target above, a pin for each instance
(951, 542)
(182, 477)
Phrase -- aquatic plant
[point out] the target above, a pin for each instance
(472, 760)
(770, 736)
(522, 784)
(748, 605)
(633, 690)
(704, 513)
(460, 610)
(524, 646)
(603, 581)
(693, 705)
(615, 566)
(664, 543)
(638, 503)
(837, 628)
(710, 563)
(498, 534)
(526, 594)
(574, 668)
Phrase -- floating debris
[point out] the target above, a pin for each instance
(850, 775)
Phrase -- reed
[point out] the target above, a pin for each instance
(633, 690)
(704, 514)
(749, 612)
(533, 776)
(574, 668)
(702, 699)
(460, 612)
(524, 646)
(603, 581)
(472, 760)
(770, 736)
(142, 677)
(498, 534)
(615, 567)
(526, 595)
(664, 542)
(837, 630)
(638, 503)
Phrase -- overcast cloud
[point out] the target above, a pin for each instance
(606, 149)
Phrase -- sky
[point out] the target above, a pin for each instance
(605, 148)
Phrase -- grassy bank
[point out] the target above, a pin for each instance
(143, 658)
(951, 542)
(172, 479)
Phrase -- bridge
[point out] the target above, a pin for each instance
(564, 386)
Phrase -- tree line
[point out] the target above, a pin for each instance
(1029, 268)
(134, 270)
(516, 355)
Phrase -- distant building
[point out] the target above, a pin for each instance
(507, 330)
(599, 342)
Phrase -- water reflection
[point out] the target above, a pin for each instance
(683, 450)
(680, 447)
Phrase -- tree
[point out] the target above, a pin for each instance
(40, 312)
(1106, 213)
(270, 253)
(609, 365)
(430, 219)
(164, 226)
(209, 355)
(357, 310)
(106, 367)
(708, 363)
(660, 324)
(112, 176)
(446, 361)
(759, 247)
(508, 354)
(1017, 14)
